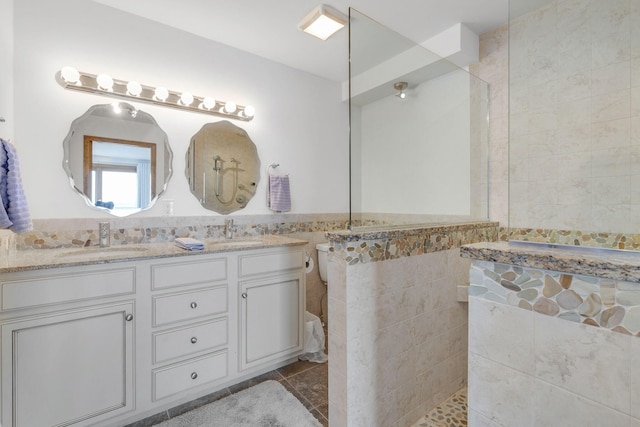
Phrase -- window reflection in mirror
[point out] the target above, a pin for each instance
(119, 174)
(117, 159)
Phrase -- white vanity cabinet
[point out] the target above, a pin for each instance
(113, 343)
(190, 321)
(272, 306)
(67, 345)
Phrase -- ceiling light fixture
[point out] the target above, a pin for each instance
(323, 21)
(103, 84)
(400, 87)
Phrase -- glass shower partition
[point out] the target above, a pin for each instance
(418, 133)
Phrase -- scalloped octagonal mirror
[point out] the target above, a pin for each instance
(117, 158)
(223, 167)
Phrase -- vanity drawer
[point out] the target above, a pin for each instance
(193, 373)
(32, 289)
(190, 340)
(264, 263)
(189, 305)
(168, 275)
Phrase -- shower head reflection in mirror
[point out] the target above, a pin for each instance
(223, 167)
(117, 158)
(220, 171)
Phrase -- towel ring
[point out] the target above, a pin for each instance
(272, 165)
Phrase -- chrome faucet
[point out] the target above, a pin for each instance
(104, 234)
(228, 228)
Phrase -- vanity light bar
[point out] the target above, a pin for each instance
(103, 84)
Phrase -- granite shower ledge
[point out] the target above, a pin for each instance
(608, 264)
(38, 259)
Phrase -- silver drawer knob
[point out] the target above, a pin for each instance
(244, 295)
(194, 340)
(194, 375)
(128, 317)
(194, 304)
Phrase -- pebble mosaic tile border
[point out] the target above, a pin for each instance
(603, 303)
(360, 248)
(384, 243)
(572, 237)
(45, 238)
(450, 413)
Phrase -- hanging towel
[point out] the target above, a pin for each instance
(279, 194)
(14, 213)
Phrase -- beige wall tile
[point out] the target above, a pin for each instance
(574, 356)
(409, 328)
(571, 409)
(611, 106)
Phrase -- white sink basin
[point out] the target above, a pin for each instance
(97, 252)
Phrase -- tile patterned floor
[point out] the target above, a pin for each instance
(307, 381)
(450, 413)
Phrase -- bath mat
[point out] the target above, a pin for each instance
(267, 404)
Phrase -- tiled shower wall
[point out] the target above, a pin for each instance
(575, 116)
(493, 68)
(547, 348)
(575, 89)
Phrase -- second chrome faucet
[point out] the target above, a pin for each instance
(228, 228)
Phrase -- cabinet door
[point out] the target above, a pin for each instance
(271, 319)
(73, 367)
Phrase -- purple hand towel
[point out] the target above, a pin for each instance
(14, 213)
(279, 194)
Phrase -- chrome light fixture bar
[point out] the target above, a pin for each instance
(103, 84)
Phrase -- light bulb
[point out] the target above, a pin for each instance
(208, 103)
(249, 111)
(105, 82)
(134, 88)
(70, 74)
(230, 107)
(186, 98)
(402, 95)
(162, 93)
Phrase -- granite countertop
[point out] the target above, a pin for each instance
(606, 263)
(37, 259)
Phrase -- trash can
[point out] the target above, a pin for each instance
(313, 339)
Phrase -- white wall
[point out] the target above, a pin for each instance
(6, 73)
(300, 120)
(416, 151)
